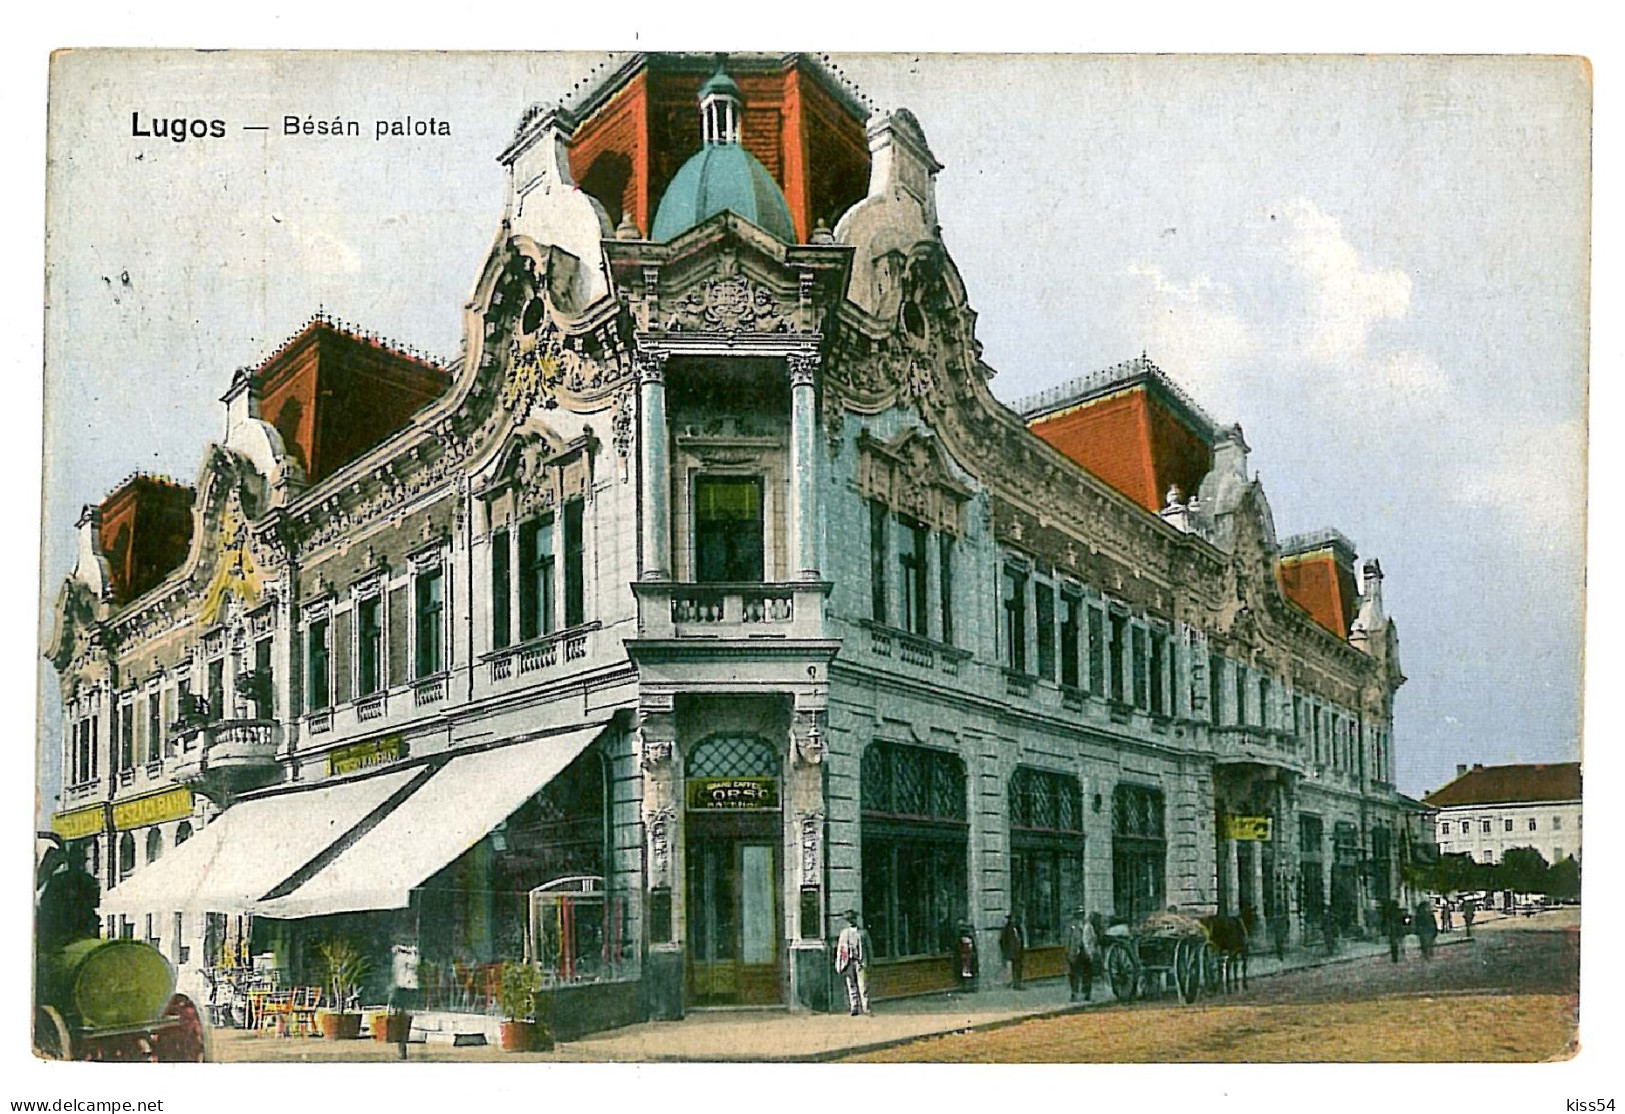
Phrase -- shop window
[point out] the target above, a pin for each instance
(728, 533)
(430, 614)
(1139, 851)
(1046, 851)
(318, 682)
(501, 601)
(915, 849)
(536, 603)
(877, 562)
(912, 569)
(1044, 608)
(1015, 619)
(945, 585)
(1071, 610)
(575, 573)
(369, 645)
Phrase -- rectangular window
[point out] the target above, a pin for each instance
(501, 589)
(1215, 689)
(1506, 825)
(1015, 620)
(1142, 670)
(877, 562)
(1557, 823)
(1239, 675)
(1557, 855)
(911, 563)
(1263, 701)
(429, 630)
(1044, 606)
(217, 689)
(1484, 827)
(1071, 607)
(155, 727)
(728, 529)
(127, 736)
(1097, 652)
(1297, 716)
(264, 681)
(1315, 721)
(1115, 650)
(575, 567)
(318, 693)
(369, 645)
(1159, 658)
(945, 585)
(536, 578)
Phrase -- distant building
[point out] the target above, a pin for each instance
(1488, 810)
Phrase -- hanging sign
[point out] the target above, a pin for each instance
(153, 808)
(1253, 828)
(724, 793)
(360, 756)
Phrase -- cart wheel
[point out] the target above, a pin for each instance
(51, 1038)
(1188, 970)
(1123, 972)
(187, 1041)
(1212, 969)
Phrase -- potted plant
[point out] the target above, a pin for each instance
(517, 997)
(345, 967)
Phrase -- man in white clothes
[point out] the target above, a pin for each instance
(852, 961)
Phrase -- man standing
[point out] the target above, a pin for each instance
(1081, 943)
(1013, 943)
(852, 961)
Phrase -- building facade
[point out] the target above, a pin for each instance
(1488, 810)
(708, 595)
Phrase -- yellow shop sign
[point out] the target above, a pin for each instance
(359, 756)
(1254, 828)
(154, 808)
(79, 822)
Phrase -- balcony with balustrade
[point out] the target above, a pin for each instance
(764, 621)
(1256, 745)
(222, 758)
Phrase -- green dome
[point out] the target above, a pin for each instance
(722, 176)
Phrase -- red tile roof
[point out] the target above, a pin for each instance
(1495, 785)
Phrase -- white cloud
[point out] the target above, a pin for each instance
(1346, 297)
(1194, 331)
(1533, 478)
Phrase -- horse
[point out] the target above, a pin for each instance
(1228, 935)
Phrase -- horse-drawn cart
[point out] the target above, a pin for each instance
(1165, 949)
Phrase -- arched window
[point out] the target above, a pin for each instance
(155, 844)
(734, 756)
(183, 833)
(915, 845)
(126, 855)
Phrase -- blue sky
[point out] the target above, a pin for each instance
(1377, 266)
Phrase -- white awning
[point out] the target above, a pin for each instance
(443, 818)
(251, 848)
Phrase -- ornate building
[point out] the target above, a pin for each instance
(709, 594)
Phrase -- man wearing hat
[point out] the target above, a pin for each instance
(1082, 941)
(852, 949)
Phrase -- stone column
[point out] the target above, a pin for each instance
(663, 833)
(1232, 881)
(654, 465)
(804, 883)
(804, 510)
(1258, 883)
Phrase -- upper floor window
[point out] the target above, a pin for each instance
(429, 625)
(945, 584)
(1557, 823)
(1071, 608)
(1114, 657)
(911, 564)
(1044, 606)
(1159, 660)
(575, 549)
(369, 648)
(217, 688)
(877, 562)
(155, 726)
(536, 599)
(1264, 695)
(728, 532)
(1142, 671)
(1215, 689)
(1097, 651)
(1239, 677)
(318, 682)
(1484, 827)
(1015, 619)
(501, 601)
(127, 736)
(264, 681)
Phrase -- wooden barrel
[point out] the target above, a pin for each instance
(103, 984)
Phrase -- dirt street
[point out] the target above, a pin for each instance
(1510, 995)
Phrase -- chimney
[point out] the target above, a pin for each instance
(242, 400)
(1461, 769)
(92, 568)
(1478, 765)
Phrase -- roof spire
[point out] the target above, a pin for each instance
(719, 106)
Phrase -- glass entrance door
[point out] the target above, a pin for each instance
(733, 914)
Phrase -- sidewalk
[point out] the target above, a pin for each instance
(768, 1035)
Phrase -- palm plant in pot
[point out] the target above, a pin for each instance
(521, 1032)
(345, 967)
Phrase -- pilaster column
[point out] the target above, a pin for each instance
(804, 520)
(1232, 881)
(654, 465)
(1258, 883)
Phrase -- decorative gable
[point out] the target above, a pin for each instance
(910, 474)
